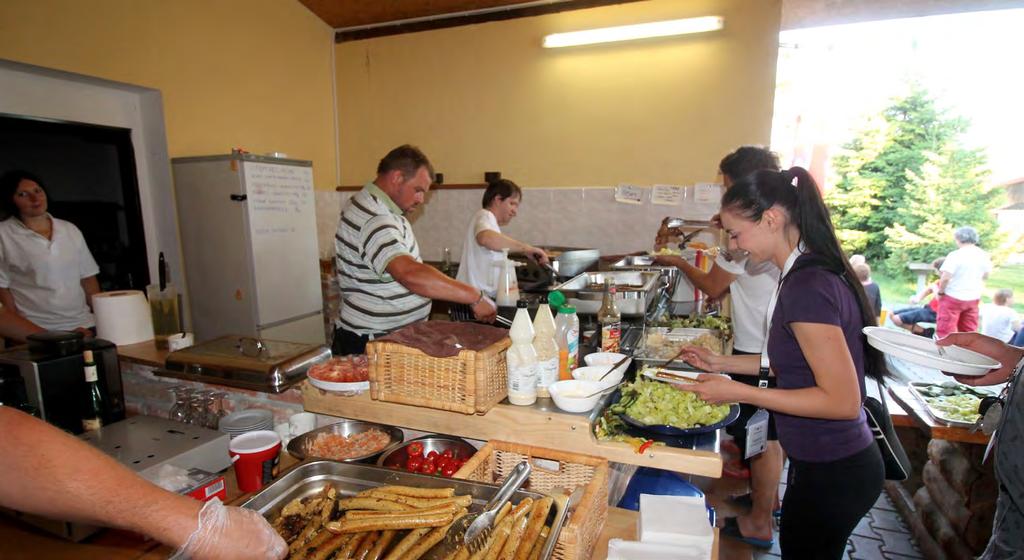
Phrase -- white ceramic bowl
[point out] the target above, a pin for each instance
(608, 359)
(593, 373)
(568, 394)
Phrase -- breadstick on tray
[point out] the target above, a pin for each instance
(497, 540)
(461, 501)
(502, 513)
(325, 550)
(351, 546)
(366, 545)
(515, 536)
(413, 492)
(398, 553)
(372, 503)
(538, 517)
(397, 521)
(314, 543)
(443, 508)
(433, 537)
(382, 543)
(307, 533)
(538, 546)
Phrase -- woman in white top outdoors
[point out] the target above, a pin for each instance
(47, 274)
(482, 249)
(962, 280)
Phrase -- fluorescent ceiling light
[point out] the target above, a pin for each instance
(638, 31)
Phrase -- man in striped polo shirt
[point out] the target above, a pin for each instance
(384, 283)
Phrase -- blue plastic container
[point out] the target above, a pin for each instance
(659, 482)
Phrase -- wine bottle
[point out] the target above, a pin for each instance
(92, 417)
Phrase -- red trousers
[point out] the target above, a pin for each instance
(956, 315)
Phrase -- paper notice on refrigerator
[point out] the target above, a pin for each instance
(629, 194)
(667, 195)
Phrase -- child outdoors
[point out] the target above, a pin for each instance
(998, 319)
(874, 293)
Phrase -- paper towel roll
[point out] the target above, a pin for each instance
(122, 317)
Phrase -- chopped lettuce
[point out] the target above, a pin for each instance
(655, 403)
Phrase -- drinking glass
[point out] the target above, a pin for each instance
(179, 409)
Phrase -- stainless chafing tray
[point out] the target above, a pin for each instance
(238, 361)
(637, 289)
(570, 261)
(646, 355)
(309, 477)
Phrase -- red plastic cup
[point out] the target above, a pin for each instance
(255, 455)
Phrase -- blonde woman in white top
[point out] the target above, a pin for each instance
(47, 274)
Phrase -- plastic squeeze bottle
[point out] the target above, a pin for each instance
(508, 285)
(546, 347)
(522, 359)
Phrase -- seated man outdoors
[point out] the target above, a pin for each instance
(909, 317)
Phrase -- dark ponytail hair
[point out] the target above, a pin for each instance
(761, 190)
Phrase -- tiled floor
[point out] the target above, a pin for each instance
(882, 534)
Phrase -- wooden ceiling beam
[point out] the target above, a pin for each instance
(446, 20)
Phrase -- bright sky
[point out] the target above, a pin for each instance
(831, 79)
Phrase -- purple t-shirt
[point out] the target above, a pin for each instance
(815, 295)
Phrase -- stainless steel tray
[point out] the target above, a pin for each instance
(309, 477)
(570, 261)
(272, 365)
(937, 414)
(636, 291)
(644, 356)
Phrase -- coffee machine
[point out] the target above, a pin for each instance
(46, 378)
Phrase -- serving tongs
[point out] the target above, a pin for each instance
(472, 530)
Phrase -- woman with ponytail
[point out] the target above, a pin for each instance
(817, 353)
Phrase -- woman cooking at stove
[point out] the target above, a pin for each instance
(482, 250)
(47, 274)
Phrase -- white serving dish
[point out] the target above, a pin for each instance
(348, 388)
(562, 392)
(594, 373)
(924, 352)
(607, 359)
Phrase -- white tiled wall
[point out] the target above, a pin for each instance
(572, 217)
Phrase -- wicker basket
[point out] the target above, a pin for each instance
(495, 460)
(471, 382)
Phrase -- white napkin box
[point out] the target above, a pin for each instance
(680, 521)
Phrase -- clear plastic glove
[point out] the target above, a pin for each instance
(228, 532)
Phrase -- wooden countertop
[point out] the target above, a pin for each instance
(19, 541)
(145, 353)
(526, 425)
(917, 411)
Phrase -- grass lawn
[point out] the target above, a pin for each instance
(896, 293)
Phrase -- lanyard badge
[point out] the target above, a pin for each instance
(757, 426)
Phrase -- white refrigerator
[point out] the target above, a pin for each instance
(248, 236)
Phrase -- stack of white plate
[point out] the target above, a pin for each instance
(247, 420)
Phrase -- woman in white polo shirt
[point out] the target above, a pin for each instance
(47, 274)
(482, 249)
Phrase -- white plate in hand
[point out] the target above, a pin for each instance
(924, 352)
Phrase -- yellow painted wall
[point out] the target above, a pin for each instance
(488, 97)
(250, 73)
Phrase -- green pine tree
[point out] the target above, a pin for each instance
(905, 183)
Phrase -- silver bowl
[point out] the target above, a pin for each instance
(396, 456)
(299, 445)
